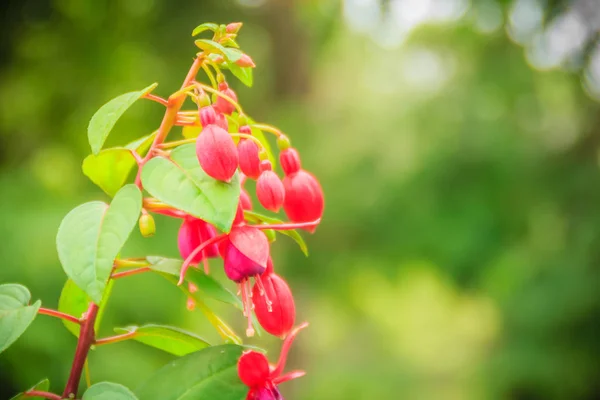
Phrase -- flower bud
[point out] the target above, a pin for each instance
(245, 200)
(222, 121)
(303, 200)
(245, 61)
(147, 225)
(222, 105)
(253, 368)
(270, 191)
(248, 157)
(246, 252)
(290, 161)
(283, 142)
(217, 153)
(208, 116)
(192, 233)
(274, 308)
(233, 27)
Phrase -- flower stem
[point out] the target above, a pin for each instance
(268, 128)
(115, 339)
(223, 95)
(39, 393)
(188, 261)
(250, 137)
(58, 314)
(290, 226)
(210, 75)
(155, 98)
(134, 271)
(125, 262)
(85, 341)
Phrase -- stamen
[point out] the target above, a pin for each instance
(242, 290)
(263, 292)
(250, 305)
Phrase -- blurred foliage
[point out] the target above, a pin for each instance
(459, 253)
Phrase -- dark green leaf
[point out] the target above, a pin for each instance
(106, 117)
(181, 183)
(90, 237)
(108, 391)
(43, 385)
(209, 286)
(15, 313)
(208, 26)
(167, 338)
(256, 217)
(75, 302)
(207, 374)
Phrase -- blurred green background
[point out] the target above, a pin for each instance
(458, 146)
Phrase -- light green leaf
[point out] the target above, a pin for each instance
(108, 391)
(209, 286)
(256, 217)
(43, 385)
(75, 302)
(208, 26)
(142, 144)
(91, 235)
(106, 117)
(167, 338)
(181, 183)
(244, 74)
(15, 313)
(207, 374)
(230, 55)
(109, 169)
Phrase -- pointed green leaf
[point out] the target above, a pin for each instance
(256, 217)
(43, 385)
(106, 117)
(244, 74)
(230, 55)
(181, 183)
(15, 313)
(209, 286)
(208, 26)
(207, 374)
(91, 235)
(75, 302)
(108, 391)
(142, 144)
(167, 338)
(109, 169)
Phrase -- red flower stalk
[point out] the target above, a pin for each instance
(269, 188)
(249, 160)
(261, 378)
(192, 233)
(273, 303)
(303, 197)
(217, 153)
(223, 105)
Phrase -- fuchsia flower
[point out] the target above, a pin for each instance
(260, 377)
(223, 105)
(249, 160)
(192, 233)
(269, 188)
(217, 153)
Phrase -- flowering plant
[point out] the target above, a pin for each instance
(198, 179)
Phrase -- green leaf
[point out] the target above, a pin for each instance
(91, 235)
(230, 55)
(256, 217)
(108, 391)
(209, 286)
(181, 183)
(75, 302)
(15, 313)
(167, 338)
(244, 74)
(207, 374)
(257, 133)
(207, 26)
(109, 169)
(43, 385)
(142, 144)
(105, 118)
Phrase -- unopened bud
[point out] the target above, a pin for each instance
(147, 225)
(233, 27)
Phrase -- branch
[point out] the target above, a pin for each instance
(130, 272)
(39, 393)
(115, 339)
(58, 314)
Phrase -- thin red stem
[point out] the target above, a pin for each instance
(155, 98)
(39, 393)
(58, 314)
(133, 271)
(115, 339)
(290, 226)
(188, 261)
(287, 344)
(85, 341)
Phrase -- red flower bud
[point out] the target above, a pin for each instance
(245, 61)
(290, 161)
(208, 116)
(192, 233)
(245, 129)
(217, 153)
(248, 156)
(303, 197)
(233, 27)
(223, 105)
(245, 200)
(274, 304)
(270, 191)
(253, 368)
(246, 252)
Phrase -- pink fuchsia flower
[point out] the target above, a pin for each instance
(269, 188)
(303, 197)
(217, 153)
(222, 105)
(249, 160)
(192, 233)
(290, 161)
(261, 378)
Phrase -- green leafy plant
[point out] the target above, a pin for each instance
(198, 179)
